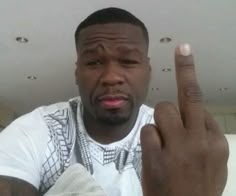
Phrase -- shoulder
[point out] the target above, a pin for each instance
(35, 121)
(55, 108)
(36, 117)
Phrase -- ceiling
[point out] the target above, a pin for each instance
(209, 26)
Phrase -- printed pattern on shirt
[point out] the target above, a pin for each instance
(124, 157)
(83, 151)
(59, 148)
(65, 127)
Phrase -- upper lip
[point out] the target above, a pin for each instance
(112, 96)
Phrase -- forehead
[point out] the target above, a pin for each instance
(115, 33)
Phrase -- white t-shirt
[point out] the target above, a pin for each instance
(38, 147)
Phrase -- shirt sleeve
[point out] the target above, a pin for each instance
(22, 148)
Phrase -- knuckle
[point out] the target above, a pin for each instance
(164, 109)
(193, 92)
(222, 148)
(199, 149)
(147, 128)
(203, 151)
(165, 106)
(146, 131)
(186, 62)
(211, 123)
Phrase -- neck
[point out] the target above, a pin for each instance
(105, 133)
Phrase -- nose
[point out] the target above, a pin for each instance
(112, 75)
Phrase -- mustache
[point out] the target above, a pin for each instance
(112, 92)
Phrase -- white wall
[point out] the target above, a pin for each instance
(227, 122)
(221, 108)
(225, 116)
(7, 115)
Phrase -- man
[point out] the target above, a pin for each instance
(176, 153)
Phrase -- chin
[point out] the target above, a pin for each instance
(113, 118)
(116, 116)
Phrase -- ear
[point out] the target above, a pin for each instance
(149, 68)
(76, 73)
(149, 63)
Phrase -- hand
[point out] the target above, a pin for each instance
(185, 154)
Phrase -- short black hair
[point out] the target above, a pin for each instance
(111, 15)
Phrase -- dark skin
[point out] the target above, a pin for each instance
(180, 152)
(189, 155)
(15, 187)
(112, 61)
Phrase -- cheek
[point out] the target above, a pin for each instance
(85, 83)
(140, 84)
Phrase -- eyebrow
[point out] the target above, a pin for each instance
(126, 50)
(93, 49)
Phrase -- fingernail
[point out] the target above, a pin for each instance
(185, 49)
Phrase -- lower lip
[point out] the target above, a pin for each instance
(113, 104)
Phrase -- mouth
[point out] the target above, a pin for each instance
(112, 101)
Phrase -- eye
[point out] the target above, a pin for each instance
(94, 62)
(128, 62)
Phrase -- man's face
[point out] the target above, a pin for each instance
(113, 71)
